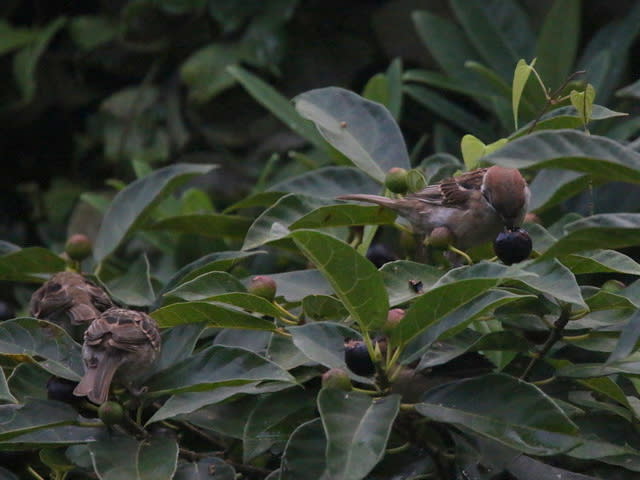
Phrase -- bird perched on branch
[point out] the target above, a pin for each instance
(120, 345)
(69, 300)
(473, 207)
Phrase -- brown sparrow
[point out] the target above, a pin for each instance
(474, 206)
(119, 345)
(70, 300)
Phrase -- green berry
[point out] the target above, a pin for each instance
(613, 286)
(441, 237)
(393, 318)
(78, 247)
(336, 379)
(396, 180)
(263, 286)
(111, 413)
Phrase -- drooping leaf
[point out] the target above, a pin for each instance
(134, 287)
(33, 415)
(364, 131)
(583, 102)
(520, 77)
(304, 454)
(29, 264)
(50, 344)
(354, 278)
(211, 314)
(212, 225)
(207, 285)
(213, 367)
(130, 207)
(357, 428)
(119, 456)
(503, 408)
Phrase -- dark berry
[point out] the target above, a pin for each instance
(336, 379)
(396, 180)
(263, 286)
(7, 311)
(111, 413)
(357, 358)
(512, 246)
(61, 389)
(379, 254)
(78, 247)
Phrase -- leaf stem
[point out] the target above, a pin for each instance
(34, 473)
(402, 448)
(554, 336)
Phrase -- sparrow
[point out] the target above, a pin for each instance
(69, 300)
(474, 206)
(120, 345)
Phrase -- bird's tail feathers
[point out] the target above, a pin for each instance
(81, 313)
(377, 199)
(96, 382)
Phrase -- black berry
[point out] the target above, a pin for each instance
(512, 246)
(357, 358)
(61, 389)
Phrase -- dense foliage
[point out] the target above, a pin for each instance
(308, 337)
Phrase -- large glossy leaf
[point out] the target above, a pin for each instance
(357, 429)
(304, 454)
(134, 287)
(52, 436)
(28, 380)
(362, 130)
(552, 186)
(505, 409)
(213, 225)
(117, 457)
(278, 105)
(492, 34)
(5, 394)
(177, 344)
(130, 207)
(274, 418)
(207, 285)
(34, 415)
(354, 278)
(556, 59)
(29, 264)
(215, 366)
(405, 280)
(212, 315)
(600, 261)
(346, 215)
(51, 345)
(574, 150)
(297, 284)
(607, 230)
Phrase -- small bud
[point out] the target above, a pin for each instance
(393, 318)
(336, 379)
(512, 246)
(440, 237)
(357, 358)
(396, 180)
(111, 413)
(78, 247)
(263, 286)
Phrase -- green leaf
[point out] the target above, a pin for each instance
(92, 31)
(354, 278)
(297, 284)
(520, 77)
(211, 314)
(207, 285)
(556, 59)
(364, 131)
(204, 72)
(5, 393)
(13, 38)
(394, 78)
(25, 62)
(131, 206)
(609, 230)
(134, 287)
(628, 339)
(322, 308)
(489, 37)
(553, 186)
(630, 91)
(273, 420)
(33, 415)
(505, 409)
(583, 103)
(117, 456)
(629, 365)
(357, 429)
(473, 150)
(212, 468)
(214, 367)
(570, 149)
(28, 264)
(377, 89)
(304, 454)
(177, 344)
(59, 354)
(402, 278)
(267, 96)
(29, 380)
(601, 261)
(212, 225)
(344, 216)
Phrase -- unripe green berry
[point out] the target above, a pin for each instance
(78, 247)
(441, 237)
(336, 379)
(613, 286)
(396, 180)
(263, 286)
(111, 413)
